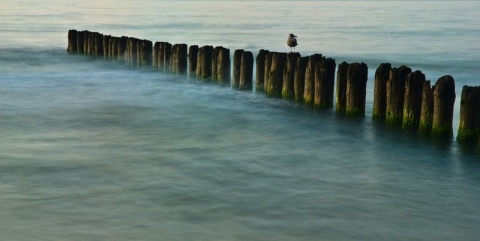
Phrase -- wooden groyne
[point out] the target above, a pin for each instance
(402, 98)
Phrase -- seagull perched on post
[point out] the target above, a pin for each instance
(292, 41)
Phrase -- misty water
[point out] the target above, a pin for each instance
(94, 150)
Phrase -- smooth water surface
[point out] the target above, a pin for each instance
(94, 150)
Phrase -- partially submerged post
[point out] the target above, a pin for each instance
(72, 41)
(246, 71)
(396, 95)
(268, 64)
(275, 76)
(81, 42)
(309, 89)
(412, 106)
(342, 86)
(178, 62)
(469, 128)
(167, 55)
(380, 91)
(443, 102)
(204, 62)
(324, 83)
(237, 64)
(299, 78)
(288, 89)
(156, 49)
(106, 46)
(192, 59)
(357, 76)
(221, 65)
(260, 70)
(122, 46)
(426, 116)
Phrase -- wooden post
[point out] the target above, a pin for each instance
(260, 70)
(81, 42)
(268, 64)
(246, 71)
(237, 65)
(122, 47)
(114, 46)
(204, 62)
(309, 89)
(132, 51)
(342, 86)
(299, 78)
(107, 41)
(98, 46)
(412, 106)
(382, 75)
(167, 55)
(469, 128)
(324, 83)
(192, 59)
(156, 49)
(72, 41)
(86, 43)
(173, 59)
(357, 76)
(161, 56)
(426, 116)
(288, 88)
(275, 76)
(443, 102)
(144, 53)
(181, 60)
(396, 94)
(222, 66)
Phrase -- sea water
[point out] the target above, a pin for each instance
(94, 150)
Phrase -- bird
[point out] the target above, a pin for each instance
(292, 41)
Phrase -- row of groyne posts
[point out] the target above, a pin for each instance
(402, 98)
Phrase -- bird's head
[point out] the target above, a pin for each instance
(291, 35)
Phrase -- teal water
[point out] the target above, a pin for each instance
(93, 150)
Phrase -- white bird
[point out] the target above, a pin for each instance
(292, 41)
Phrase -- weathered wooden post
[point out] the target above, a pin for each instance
(132, 51)
(237, 65)
(342, 86)
(81, 42)
(98, 46)
(204, 62)
(266, 74)
(260, 70)
(156, 49)
(107, 46)
(426, 116)
(246, 71)
(221, 71)
(396, 95)
(412, 106)
(324, 83)
(114, 46)
(182, 59)
(122, 46)
(192, 59)
(147, 53)
(167, 56)
(161, 56)
(72, 41)
(469, 128)
(299, 78)
(288, 88)
(309, 89)
(443, 102)
(382, 75)
(86, 43)
(357, 76)
(275, 76)
(179, 59)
